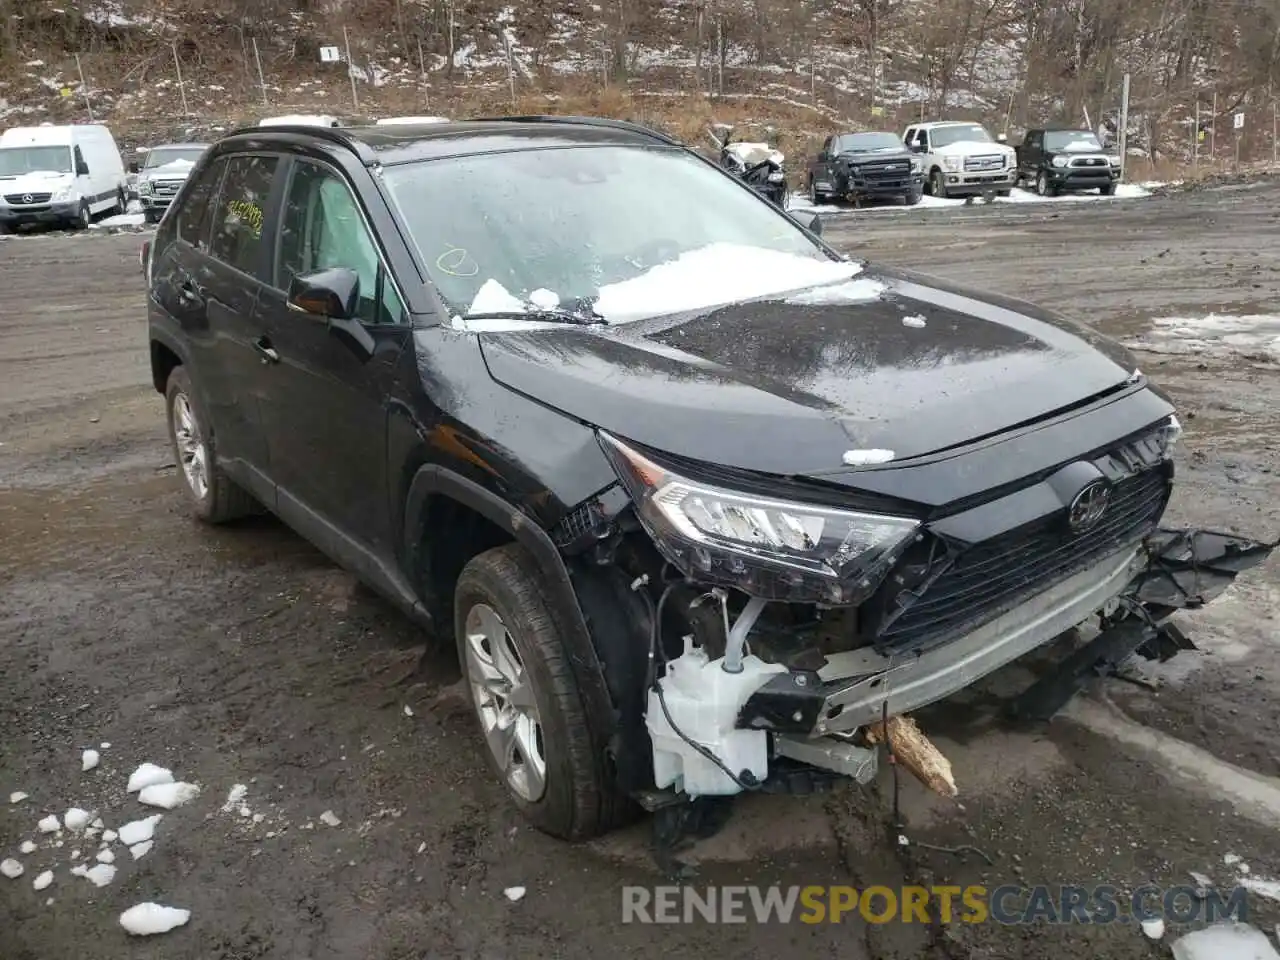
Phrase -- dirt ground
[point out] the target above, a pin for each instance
(241, 656)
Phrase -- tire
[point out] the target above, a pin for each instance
(150, 216)
(1004, 193)
(1108, 191)
(218, 499)
(913, 197)
(575, 801)
(83, 219)
(815, 197)
(1043, 187)
(937, 184)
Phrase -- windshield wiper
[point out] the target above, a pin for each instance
(546, 316)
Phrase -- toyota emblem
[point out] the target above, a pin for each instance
(27, 198)
(1088, 506)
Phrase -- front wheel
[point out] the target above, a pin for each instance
(83, 218)
(938, 184)
(815, 197)
(1043, 187)
(151, 216)
(1108, 191)
(526, 698)
(914, 196)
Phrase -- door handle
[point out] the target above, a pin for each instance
(264, 349)
(189, 294)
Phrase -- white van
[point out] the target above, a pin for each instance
(60, 175)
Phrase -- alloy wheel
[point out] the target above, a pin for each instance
(192, 450)
(502, 691)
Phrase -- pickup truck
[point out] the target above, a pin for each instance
(961, 159)
(857, 166)
(1059, 160)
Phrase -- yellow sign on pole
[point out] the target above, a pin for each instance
(877, 111)
(65, 91)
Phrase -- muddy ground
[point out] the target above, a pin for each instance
(240, 655)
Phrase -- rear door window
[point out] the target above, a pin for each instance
(192, 220)
(238, 219)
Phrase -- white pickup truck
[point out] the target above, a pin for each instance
(961, 159)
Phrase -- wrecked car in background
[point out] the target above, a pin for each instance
(757, 163)
(706, 507)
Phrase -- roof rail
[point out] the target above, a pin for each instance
(586, 121)
(336, 135)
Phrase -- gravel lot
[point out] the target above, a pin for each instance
(241, 655)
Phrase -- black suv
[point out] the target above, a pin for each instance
(699, 500)
(1057, 160)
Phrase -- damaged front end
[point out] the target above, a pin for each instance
(786, 641)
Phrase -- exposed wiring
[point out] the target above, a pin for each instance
(655, 647)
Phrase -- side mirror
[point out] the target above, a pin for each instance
(810, 221)
(331, 294)
(82, 169)
(133, 166)
(1002, 138)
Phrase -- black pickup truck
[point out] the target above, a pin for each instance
(857, 166)
(1061, 159)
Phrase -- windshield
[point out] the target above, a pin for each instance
(15, 161)
(943, 136)
(1071, 140)
(164, 155)
(868, 142)
(583, 229)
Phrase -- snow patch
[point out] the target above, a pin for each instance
(140, 850)
(43, 881)
(918, 322)
(11, 868)
(493, 297)
(101, 875)
(49, 824)
(862, 458)
(1263, 888)
(330, 818)
(716, 274)
(139, 830)
(148, 919)
(851, 291)
(1225, 941)
(514, 894)
(120, 220)
(166, 796)
(1153, 928)
(76, 819)
(109, 836)
(1218, 335)
(148, 774)
(105, 856)
(17, 796)
(88, 760)
(236, 794)
(27, 847)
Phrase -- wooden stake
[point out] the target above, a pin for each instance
(916, 753)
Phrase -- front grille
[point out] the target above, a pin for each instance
(992, 577)
(896, 170)
(991, 162)
(166, 188)
(26, 199)
(1090, 162)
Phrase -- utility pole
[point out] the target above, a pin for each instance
(1124, 124)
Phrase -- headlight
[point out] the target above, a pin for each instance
(63, 194)
(144, 187)
(777, 176)
(951, 164)
(917, 165)
(1059, 161)
(1168, 435)
(773, 549)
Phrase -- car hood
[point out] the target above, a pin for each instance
(39, 182)
(858, 156)
(789, 385)
(964, 147)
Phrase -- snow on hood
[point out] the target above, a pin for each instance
(715, 275)
(394, 121)
(975, 146)
(1079, 146)
(300, 119)
(179, 165)
(753, 153)
(38, 178)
